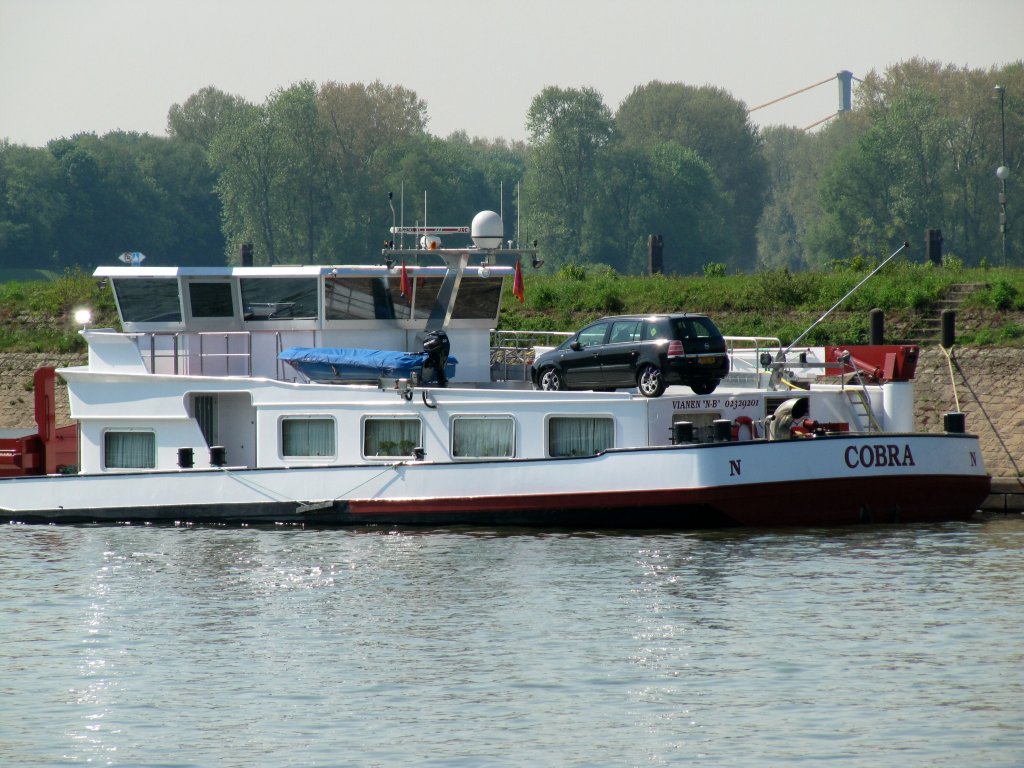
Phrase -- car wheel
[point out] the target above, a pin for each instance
(550, 380)
(650, 381)
(705, 387)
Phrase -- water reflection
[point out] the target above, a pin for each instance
(214, 646)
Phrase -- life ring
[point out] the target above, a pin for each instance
(740, 423)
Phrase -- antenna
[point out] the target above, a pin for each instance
(391, 205)
(519, 213)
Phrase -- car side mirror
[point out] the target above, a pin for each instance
(575, 346)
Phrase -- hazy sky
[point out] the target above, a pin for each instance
(71, 66)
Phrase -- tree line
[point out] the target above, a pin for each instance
(305, 177)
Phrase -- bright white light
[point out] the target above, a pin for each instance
(83, 316)
(1002, 172)
(484, 271)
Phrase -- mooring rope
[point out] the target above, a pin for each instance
(272, 494)
(952, 378)
(396, 465)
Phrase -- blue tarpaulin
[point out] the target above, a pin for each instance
(333, 364)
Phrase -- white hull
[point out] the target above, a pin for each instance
(824, 481)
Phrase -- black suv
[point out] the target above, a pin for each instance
(648, 352)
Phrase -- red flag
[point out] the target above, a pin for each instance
(517, 284)
(405, 281)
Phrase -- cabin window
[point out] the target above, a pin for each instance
(483, 437)
(307, 437)
(148, 300)
(580, 435)
(478, 298)
(279, 298)
(390, 437)
(129, 450)
(358, 298)
(211, 299)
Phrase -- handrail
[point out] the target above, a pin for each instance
(178, 352)
(512, 352)
(746, 360)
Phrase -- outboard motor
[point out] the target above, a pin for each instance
(437, 347)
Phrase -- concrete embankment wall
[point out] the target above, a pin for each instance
(988, 382)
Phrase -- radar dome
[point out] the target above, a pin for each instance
(487, 230)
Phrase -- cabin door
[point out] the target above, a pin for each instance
(228, 419)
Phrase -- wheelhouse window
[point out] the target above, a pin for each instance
(427, 289)
(305, 437)
(148, 300)
(390, 437)
(211, 299)
(277, 298)
(478, 298)
(580, 435)
(129, 450)
(358, 298)
(483, 437)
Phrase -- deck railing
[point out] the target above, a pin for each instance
(745, 366)
(513, 352)
(214, 353)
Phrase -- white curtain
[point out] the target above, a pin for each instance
(307, 437)
(580, 436)
(390, 437)
(129, 450)
(481, 438)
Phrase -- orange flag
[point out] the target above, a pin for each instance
(405, 281)
(517, 284)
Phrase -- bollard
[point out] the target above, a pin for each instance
(185, 458)
(682, 432)
(877, 326)
(948, 328)
(218, 456)
(954, 422)
(723, 430)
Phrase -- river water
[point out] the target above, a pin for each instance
(872, 646)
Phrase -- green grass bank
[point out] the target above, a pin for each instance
(36, 314)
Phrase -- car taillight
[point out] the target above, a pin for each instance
(675, 348)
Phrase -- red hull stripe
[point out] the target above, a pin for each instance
(805, 502)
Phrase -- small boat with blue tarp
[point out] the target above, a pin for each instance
(353, 365)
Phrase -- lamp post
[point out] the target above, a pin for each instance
(1002, 172)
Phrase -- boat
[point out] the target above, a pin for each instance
(325, 396)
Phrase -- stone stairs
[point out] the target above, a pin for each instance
(928, 330)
